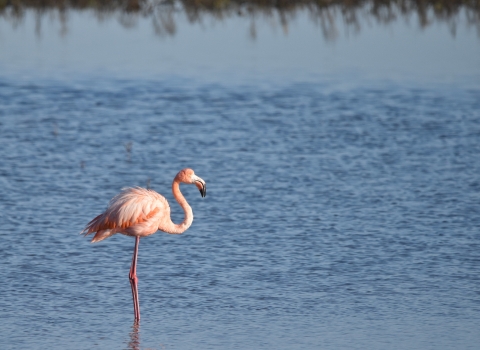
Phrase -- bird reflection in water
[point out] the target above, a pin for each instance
(134, 343)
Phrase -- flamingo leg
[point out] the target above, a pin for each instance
(134, 281)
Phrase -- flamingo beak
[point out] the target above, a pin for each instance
(201, 185)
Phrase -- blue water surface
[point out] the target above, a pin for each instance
(336, 217)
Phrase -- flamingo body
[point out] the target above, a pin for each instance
(140, 212)
(133, 212)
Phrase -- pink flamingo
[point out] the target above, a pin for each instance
(139, 212)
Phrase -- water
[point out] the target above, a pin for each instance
(342, 212)
(335, 218)
(220, 51)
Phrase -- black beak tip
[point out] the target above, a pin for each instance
(203, 191)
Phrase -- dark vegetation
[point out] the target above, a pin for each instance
(322, 12)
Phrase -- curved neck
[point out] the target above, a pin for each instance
(188, 218)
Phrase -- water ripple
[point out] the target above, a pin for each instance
(336, 218)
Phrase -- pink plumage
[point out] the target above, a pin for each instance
(140, 212)
(133, 212)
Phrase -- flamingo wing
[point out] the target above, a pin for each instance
(132, 208)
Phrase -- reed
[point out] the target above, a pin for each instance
(320, 11)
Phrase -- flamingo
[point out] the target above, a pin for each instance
(140, 212)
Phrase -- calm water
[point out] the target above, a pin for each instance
(341, 213)
(335, 218)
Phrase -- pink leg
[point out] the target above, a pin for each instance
(134, 281)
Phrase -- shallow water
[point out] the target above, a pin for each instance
(335, 218)
(343, 201)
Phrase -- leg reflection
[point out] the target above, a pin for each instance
(134, 343)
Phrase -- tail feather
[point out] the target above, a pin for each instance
(92, 226)
(101, 235)
(96, 226)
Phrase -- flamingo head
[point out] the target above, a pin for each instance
(188, 176)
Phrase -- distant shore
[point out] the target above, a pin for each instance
(320, 11)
